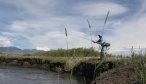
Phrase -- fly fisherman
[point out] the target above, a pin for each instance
(103, 46)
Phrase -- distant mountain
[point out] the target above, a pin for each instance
(16, 50)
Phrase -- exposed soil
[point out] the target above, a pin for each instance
(121, 75)
(125, 74)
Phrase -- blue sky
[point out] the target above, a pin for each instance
(40, 24)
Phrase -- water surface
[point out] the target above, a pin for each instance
(17, 75)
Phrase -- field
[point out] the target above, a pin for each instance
(126, 70)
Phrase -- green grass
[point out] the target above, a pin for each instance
(71, 62)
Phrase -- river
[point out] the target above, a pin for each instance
(19, 75)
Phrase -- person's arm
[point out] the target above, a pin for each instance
(94, 41)
(99, 41)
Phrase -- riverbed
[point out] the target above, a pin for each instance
(21, 75)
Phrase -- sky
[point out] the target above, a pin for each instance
(40, 24)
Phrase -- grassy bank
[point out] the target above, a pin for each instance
(128, 70)
(134, 64)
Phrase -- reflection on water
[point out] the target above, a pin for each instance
(15, 75)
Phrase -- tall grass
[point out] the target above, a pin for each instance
(58, 69)
(105, 21)
(139, 62)
(140, 70)
(97, 66)
(70, 78)
(66, 34)
(90, 32)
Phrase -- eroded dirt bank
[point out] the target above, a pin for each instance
(84, 69)
(127, 74)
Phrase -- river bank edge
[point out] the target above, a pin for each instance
(84, 69)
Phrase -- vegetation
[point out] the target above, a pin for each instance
(75, 52)
(78, 55)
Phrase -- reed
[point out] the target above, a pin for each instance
(105, 21)
(90, 32)
(66, 34)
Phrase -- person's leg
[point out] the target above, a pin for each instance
(107, 45)
(102, 53)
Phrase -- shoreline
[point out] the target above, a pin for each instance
(84, 68)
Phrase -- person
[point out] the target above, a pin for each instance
(103, 44)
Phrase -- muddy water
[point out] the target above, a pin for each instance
(17, 75)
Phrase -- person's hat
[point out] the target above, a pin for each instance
(99, 35)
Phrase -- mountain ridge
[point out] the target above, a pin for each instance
(16, 50)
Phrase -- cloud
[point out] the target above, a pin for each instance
(47, 32)
(18, 26)
(142, 7)
(56, 39)
(33, 8)
(5, 42)
(40, 24)
(100, 9)
(43, 48)
(26, 26)
(129, 33)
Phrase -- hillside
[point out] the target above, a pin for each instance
(15, 50)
